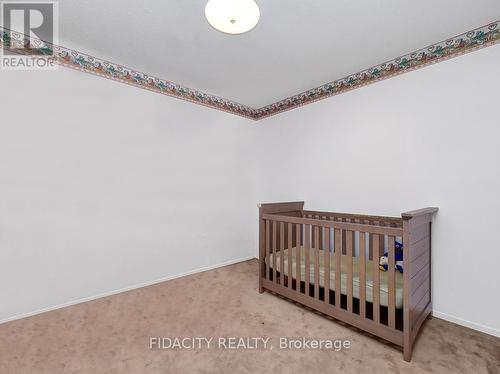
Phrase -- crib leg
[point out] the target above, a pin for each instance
(261, 287)
(407, 352)
(262, 272)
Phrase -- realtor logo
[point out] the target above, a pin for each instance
(29, 31)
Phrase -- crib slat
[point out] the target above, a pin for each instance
(349, 251)
(282, 253)
(289, 258)
(370, 243)
(316, 262)
(338, 272)
(376, 278)
(362, 274)
(307, 246)
(268, 239)
(297, 256)
(318, 239)
(326, 262)
(343, 251)
(391, 286)
(275, 259)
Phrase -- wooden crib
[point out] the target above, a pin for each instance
(302, 252)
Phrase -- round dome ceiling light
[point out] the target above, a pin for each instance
(232, 16)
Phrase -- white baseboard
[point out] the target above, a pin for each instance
(462, 322)
(105, 294)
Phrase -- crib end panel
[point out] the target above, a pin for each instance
(417, 287)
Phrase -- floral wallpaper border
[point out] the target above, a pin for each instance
(90, 64)
(472, 40)
(467, 42)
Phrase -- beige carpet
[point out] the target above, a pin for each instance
(112, 335)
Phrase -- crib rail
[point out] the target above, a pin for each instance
(357, 218)
(344, 225)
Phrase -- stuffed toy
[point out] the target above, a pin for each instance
(384, 260)
(399, 247)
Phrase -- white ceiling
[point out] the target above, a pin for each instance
(297, 45)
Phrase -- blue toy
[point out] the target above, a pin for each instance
(384, 260)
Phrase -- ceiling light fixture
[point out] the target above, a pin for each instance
(232, 16)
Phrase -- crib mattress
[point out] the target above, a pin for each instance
(384, 276)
